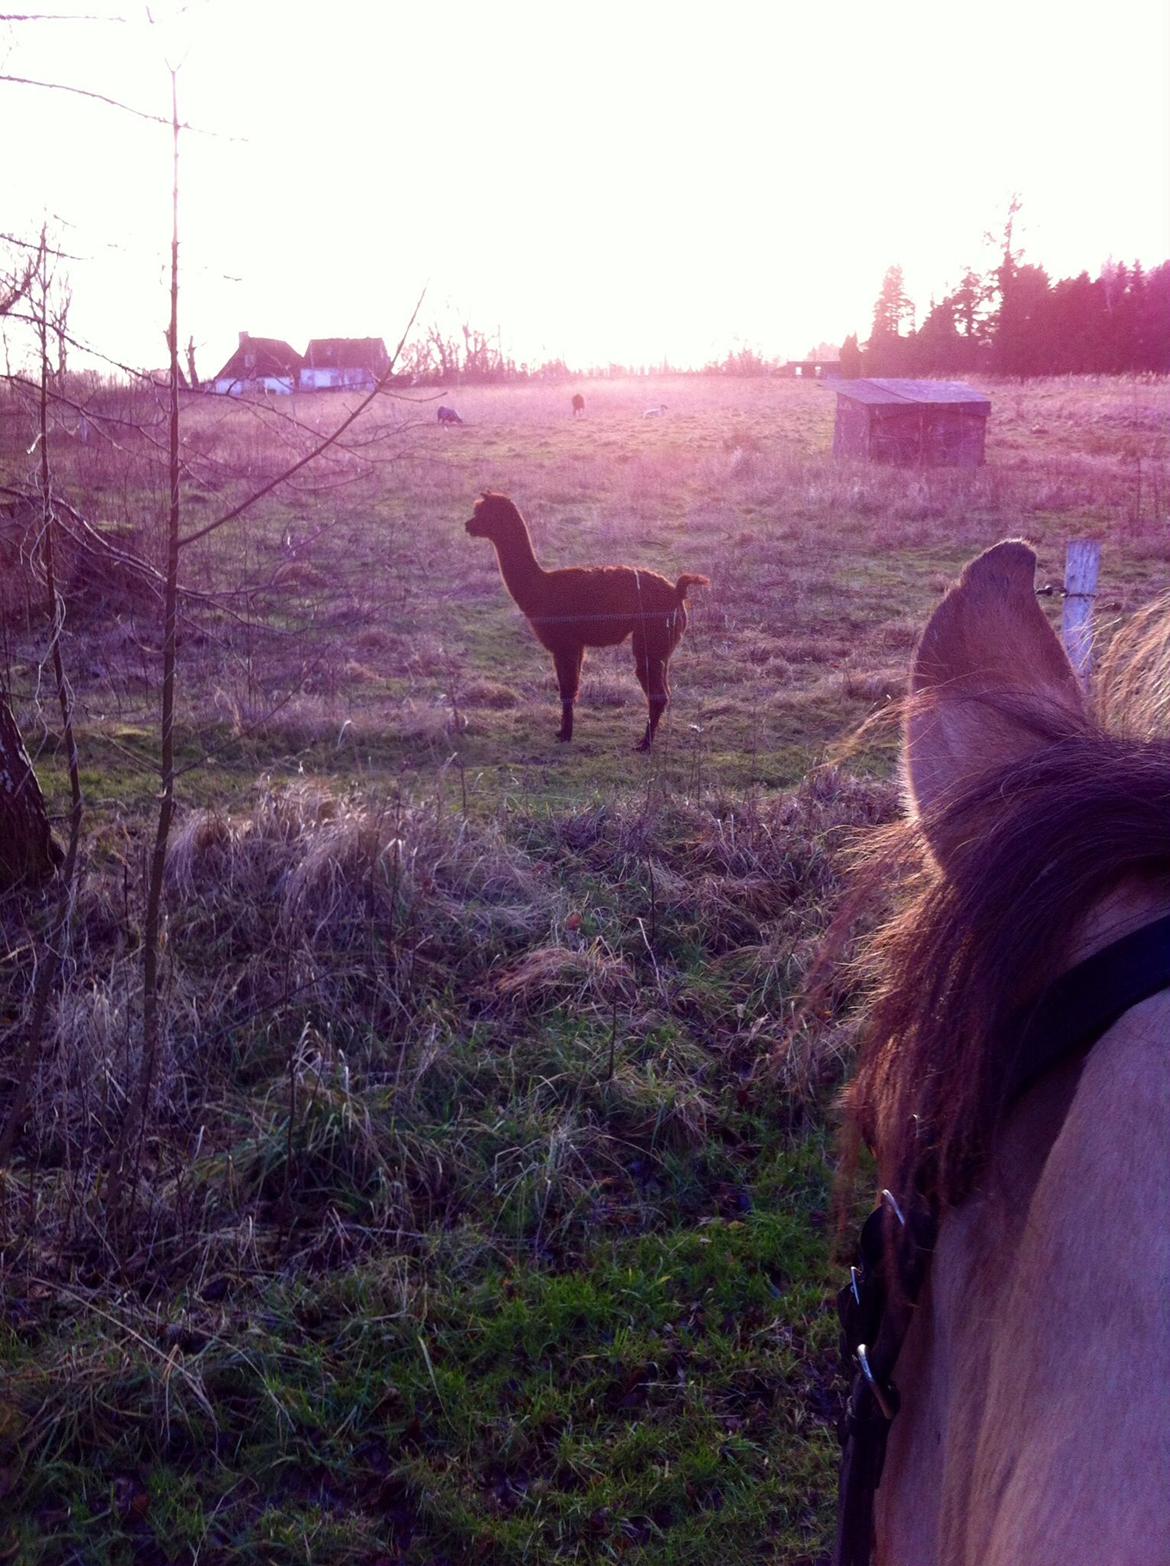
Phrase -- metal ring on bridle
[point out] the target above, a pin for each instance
(881, 1397)
(892, 1201)
(855, 1283)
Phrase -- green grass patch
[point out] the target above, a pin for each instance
(667, 1399)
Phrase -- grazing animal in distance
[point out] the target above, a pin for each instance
(1014, 1087)
(448, 416)
(658, 411)
(578, 405)
(588, 606)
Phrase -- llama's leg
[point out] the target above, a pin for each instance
(651, 663)
(659, 695)
(568, 661)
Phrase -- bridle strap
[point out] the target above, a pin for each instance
(1083, 1004)
(875, 1317)
(1066, 1021)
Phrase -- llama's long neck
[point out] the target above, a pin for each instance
(520, 568)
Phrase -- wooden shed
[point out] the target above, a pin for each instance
(931, 424)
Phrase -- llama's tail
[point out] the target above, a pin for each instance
(689, 579)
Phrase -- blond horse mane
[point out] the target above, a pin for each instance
(1032, 847)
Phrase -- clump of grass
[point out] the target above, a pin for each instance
(489, 693)
(354, 981)
(560, 976)
(364, 900)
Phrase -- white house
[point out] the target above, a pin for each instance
(352, 363)
(260, 366)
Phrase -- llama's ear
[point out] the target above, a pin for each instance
(988, 661)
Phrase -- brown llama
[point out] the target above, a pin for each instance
(588, 606)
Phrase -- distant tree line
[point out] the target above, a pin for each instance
(439, 356)
(1015, 321)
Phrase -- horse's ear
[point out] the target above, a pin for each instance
(987, 660)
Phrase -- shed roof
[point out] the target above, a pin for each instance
(892, 393)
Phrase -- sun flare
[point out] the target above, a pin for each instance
(655, 184)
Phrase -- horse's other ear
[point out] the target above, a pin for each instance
(988, 673)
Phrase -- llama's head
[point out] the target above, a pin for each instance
(495, 517)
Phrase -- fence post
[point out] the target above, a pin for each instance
(1081, 564)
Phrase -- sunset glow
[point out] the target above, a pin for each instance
(611, 182)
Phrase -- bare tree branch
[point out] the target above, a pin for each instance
(55, 940)
(28, 244)
(117, 364)
(134, 1122)
(113, 103)
(85, 92)
(16, 16)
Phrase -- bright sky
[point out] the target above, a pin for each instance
(603, 179)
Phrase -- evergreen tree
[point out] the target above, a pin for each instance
(1001, 280)
(1022, 344)
(850, 357)
(1121, 310)
(1135, 313)
(1153, 330)
(1015, 321)
(1010, 257)
(893, 306)
(936, 347)
(970, 302)
(1074, 331)
(886, 350)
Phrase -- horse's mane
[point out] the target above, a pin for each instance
(1038, 844)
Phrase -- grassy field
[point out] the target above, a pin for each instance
(484, 1210)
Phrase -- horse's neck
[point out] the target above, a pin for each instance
(520, 569)
(942, 1372)
(1029, 1376)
